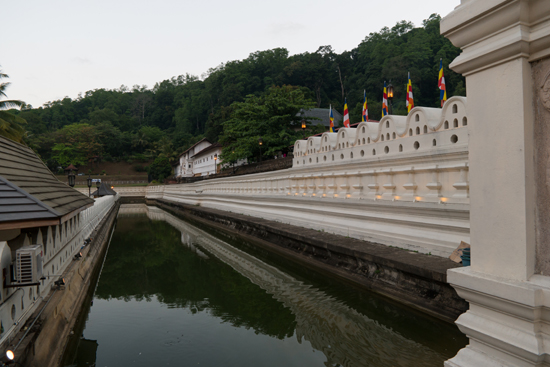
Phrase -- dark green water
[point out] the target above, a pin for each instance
(171, 294)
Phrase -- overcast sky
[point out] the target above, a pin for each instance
(52, 49)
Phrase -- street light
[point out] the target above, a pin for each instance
(304, 127)
(260, 141)
(89, 182)
(390, 99)
(215, 163)
(71, 177)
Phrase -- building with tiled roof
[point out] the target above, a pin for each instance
(321, 116)
(30, 195)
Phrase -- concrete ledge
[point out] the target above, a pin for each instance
(415, 279)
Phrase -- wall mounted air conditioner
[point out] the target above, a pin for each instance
(28, 264)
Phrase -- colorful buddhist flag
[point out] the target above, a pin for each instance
(346, 113)
(365, 114)
(331, 116)
(385, 102)
(441, 84)
(410, 99)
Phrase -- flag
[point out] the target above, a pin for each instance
(410, 99)
(346, 113)
(365, 114)
(385, 102)
(441, 84)
(331, 116)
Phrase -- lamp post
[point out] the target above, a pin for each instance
(71, 177)
(215, 163)
(260, 141)
(89, 182)
(390, 99)
(304, 127)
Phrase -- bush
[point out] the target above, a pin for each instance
(139, 168)
(103, 172)
(160, 169)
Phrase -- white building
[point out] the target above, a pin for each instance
(206, 161)
(185, 166)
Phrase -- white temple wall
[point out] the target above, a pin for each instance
(412, 193)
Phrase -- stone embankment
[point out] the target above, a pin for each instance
(43, 340)
(415, 279)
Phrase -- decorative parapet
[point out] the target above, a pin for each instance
(422, 156)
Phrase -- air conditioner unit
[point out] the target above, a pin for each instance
(28, 264)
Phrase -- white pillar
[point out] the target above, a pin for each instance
(508, 318)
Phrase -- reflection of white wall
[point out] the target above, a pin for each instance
(345, 336)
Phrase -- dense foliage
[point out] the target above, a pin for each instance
(137, 123)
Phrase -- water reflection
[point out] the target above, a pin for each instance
(289, 307)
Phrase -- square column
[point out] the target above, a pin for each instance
(503, 41)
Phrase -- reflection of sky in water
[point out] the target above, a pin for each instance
(169, 327)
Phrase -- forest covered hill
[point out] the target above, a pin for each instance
(139, 123)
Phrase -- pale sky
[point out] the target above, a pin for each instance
(52, 49)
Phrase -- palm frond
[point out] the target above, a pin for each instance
(11, 103)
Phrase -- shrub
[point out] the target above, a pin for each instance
(160, 169)
(139, 168)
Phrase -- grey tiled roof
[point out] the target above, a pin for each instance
(21, 168)
(17, 205)
(323, 114)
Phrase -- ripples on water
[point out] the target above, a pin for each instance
(172, 294)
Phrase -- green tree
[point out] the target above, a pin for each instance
(272, 116)
(11, 126)
(160, 168)
(76, 144)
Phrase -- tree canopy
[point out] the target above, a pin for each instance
(273, 116)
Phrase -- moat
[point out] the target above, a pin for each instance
(173, 294)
